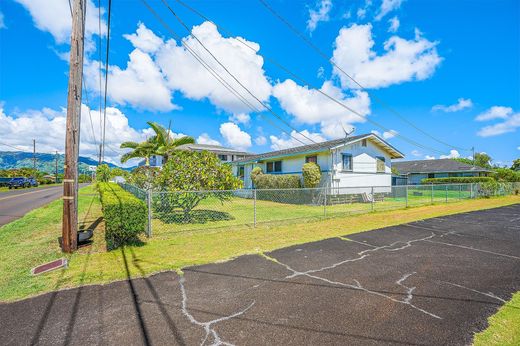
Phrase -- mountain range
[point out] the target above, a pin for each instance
(45, 162)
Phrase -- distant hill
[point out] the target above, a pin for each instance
(44, 162)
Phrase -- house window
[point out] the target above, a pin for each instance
(240, 172)
(380, 164)
(274, 167)
(313, 159)
(431, 175)
(364, 142)
(222, 157)
(347, 162)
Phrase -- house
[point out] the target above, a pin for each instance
(416, 171)
(358, 161)
(223, 153)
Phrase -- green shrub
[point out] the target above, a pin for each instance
(311, 173)
(255, 172)
(506, 174)
(457, 180)
(277, 181)
(125, 215)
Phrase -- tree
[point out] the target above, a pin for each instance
(161, 143)
(118, 172)
(165, 144)
(191, 177)
(481, 160)
(516, 165)
(103, 173)
(506, 175)
(139, 150)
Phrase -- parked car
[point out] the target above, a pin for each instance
(21, 182)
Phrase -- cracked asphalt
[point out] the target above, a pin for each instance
(429, 282)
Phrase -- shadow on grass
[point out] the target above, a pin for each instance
(199, 216)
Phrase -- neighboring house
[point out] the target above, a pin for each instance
(358, 161)
(415, 171)
(223, 153)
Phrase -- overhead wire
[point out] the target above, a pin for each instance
(342, 71)
(301, 79)
(214, 73)
(106, 82)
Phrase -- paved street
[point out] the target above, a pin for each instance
(16, 203)
(431, 282)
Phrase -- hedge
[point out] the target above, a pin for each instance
(457, 180)
(311, 174)
(125, 215)
(277, 181)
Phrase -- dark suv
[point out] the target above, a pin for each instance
(21, 182)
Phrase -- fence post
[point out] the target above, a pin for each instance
(446, 193)
(324, 202)
(460, 191)
(406, 195)
(254, 208)
(149, 204)
(432, 194)
(373, 199)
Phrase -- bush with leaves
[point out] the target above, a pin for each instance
(311, 173)
(456, 180)
(191, 177)
(103, 173)
(506, 174)
(277, 181)
(124, 214)
(143, 177)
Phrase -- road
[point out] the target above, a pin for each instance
(16, 203)
(431, 282)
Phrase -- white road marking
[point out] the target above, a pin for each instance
(25, 193)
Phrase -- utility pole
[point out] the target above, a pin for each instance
(473, 149)
(70, 179)
(100, 150)
(34, 158)
(56, 168)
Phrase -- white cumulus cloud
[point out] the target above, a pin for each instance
(510, 124)
(495, 112)
(241, 118)
(319, 14)
(294, 140)
(452, 155)
(2, 21)
(394, 24)
(204, 138)
(47, 126)
(144, 39)
(403, 60)
(308, 106)
(234, 136)
(260, 140)
(388, 6)
(461, 104)
(185, 74)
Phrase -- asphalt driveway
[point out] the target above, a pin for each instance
(425, 283)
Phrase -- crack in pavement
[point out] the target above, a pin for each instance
(472, 248)
(357, 286)
(208, 325)
(488, 294)
(409, 290)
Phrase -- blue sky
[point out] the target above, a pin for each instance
(451, 68)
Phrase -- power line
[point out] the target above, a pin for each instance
(210, 69)
(100, 48)
(106, 82)
(331, 61)
(294, 75)
(229, 73)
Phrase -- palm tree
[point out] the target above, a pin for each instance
(159, 144)
(165, 145)
(144, 150)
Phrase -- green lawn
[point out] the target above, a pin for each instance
(212, 213)
(504, 326)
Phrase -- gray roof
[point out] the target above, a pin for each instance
(212, 148)
(435, 166)
(318, 147)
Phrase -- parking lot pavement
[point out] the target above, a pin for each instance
(429, 282)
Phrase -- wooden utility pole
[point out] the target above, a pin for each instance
(70, 179)
(56, 168)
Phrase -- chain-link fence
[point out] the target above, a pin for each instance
(195, 210)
